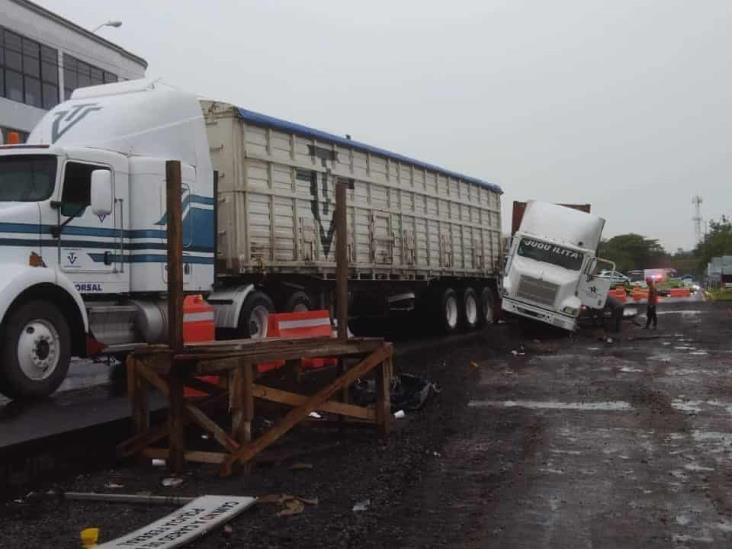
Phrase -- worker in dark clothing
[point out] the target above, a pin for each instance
(652, 301)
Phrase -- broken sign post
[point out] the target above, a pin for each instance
(183, 526)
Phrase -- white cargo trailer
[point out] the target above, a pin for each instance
(82, 227)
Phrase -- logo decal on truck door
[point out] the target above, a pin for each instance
(65, 120)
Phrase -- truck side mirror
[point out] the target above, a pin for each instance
(101, 192)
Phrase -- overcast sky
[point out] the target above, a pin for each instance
(623, 104)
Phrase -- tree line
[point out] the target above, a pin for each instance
(634, 251)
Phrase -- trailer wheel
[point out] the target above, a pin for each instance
(36, 350)
(298, 302)
(471, 309)
(254, 315)
(449, 311)
(488, 306)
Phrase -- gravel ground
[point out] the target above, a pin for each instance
(550, 442)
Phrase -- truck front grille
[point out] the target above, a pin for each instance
(538, 291)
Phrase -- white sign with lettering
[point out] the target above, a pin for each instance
(183, 526)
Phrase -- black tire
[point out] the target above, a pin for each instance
(471, 311)
(34, 321)
(298, 301)
(488, 312)
(448, 311)
(251, 319)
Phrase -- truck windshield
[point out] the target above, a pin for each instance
(27, 178)
(550, 253)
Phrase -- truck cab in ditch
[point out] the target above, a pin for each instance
(552, 266)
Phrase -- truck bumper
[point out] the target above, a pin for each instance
(542, 315)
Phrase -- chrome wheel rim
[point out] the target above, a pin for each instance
(258, 322)
(39, 349)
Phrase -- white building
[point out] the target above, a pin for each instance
(44, 57)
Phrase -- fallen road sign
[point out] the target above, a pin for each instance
(184, 525)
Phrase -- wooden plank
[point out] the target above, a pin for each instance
(236, 403)
(173, 191)
(341, 234)
(211, 363)
(248, 451)
(294, 399)
(176, 428)
(207, 424)
(152, 378)
(248, 401)
(138, 395)
(383, 396)
(137, 442)
(191, 455)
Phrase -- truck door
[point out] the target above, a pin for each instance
(592, 289)
(187, 228)
(91, 248)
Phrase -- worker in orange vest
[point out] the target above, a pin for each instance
(652, 302)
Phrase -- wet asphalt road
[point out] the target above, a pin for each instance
(548, 442)
(586, 443)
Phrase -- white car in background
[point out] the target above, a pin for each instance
(616, 278)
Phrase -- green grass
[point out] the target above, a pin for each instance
(720, 295)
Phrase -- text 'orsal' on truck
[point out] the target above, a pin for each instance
(551, 265)
(83, 228)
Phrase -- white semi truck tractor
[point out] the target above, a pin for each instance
(552, 265)
(83, 228)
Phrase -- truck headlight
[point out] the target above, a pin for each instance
(570, 311)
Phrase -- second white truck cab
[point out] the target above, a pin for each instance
(551, 265)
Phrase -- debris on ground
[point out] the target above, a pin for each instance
(158, 462)
(409, 392)
(113, 486)
(89, 537)
(171, 482)
(143, 498)
(299, 466)
(361, 506)
(290, 505)
(474, 364)
(399, 414)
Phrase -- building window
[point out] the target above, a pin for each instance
(78, 74)
(28, 71)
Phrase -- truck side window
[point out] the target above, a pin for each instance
(77, 188)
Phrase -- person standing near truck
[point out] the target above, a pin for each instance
(651, 307)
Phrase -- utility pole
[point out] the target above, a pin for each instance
(697, 202)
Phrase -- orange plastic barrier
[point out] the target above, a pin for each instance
(198, 326)
(297, 326)
(680, 292)
(198, 320)
(618, 293)
(639, 293)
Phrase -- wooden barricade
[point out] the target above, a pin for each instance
(235, 362)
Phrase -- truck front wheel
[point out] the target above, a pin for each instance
(36, 350)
